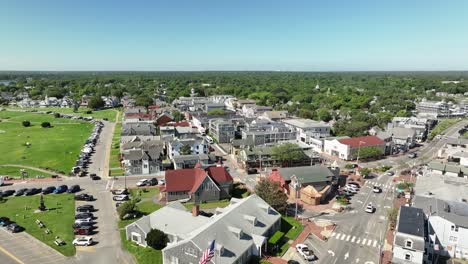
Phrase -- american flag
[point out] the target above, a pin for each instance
(208, 254)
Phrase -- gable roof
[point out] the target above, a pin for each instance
(454, 212)
(411, 221)
(190, 179)
(307, 174)
(364, 141)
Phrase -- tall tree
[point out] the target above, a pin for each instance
(272, 194)
(288, 152)
(96, 102)
(185, 150)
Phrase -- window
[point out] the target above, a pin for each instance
(174, 260)
(145, 166)
(407, 256)
(136, 237)
(409, 243)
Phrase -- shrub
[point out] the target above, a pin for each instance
(157, 239)
(57, 115)
(89, 112)
(26, 123)
(125, 209)
(45, 125)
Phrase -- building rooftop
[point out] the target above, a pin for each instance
(365, 141)
(411, 221)
(308, 174)
(305, 123)
(455, 212)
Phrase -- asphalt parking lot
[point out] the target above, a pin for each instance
(22, 248)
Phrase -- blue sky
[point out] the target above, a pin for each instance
(310, 35)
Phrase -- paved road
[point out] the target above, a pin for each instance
(358, 235)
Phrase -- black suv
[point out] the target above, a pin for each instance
(48, 190)
(87, 208)
(32, 191)
(84, 215)
(84, 197)
(153, 181)
(74, 189)
(14, 228)
(20, 192)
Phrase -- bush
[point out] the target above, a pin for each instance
(45, 125)
(276, 237)
(157, 239)
(26, 123)
(57, 115)
(125, 209)
(89, 112)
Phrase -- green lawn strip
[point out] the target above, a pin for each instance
(114, 160)
(34, 118)
(143, 255)
(58, 219)
(55, 148)
(291, 228)
(209, 205)
(116, 172)
(100, 114)
(144, 193)
(441, 126)
(14, 172)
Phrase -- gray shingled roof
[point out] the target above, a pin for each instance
(308, 174)
(411, 221)
(454, 212)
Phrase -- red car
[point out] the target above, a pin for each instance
(84, 230)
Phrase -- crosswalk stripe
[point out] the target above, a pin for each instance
(358, 241)
(354, 238)
(333, 234)
(364, 241)
(369, 242)
(338, 236)
(343, 237)
(375, 243)
(347, 238)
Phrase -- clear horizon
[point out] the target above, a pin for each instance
(335, 36)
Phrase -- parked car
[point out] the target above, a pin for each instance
(347, 193)
(14, 228)
(153, 181)
(162, 182)
(122, 197)
(78, 225)
(376, 189)
(61, 189)
(83, 241)
(119, 191)
(142, 182)
(95, 178)
(117, 204)
(32, 191)
(390, 173)
(412, 155)
(74, 189)
(304, 251)
(370, 208)
(4, 221)
(20, 192)
(252, 171)
(83, 220)
(7, 193)
(87, 208)
(83, 230)
(84, 197)
(292, 261)
(48, 190)
(350, 189)
(84, 216)
(355, 184)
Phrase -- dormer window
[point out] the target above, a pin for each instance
(409, 244)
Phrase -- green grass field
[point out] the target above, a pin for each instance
(101, 114)
(58, 219)
(55, 148)
(14, 172)
(114, 161)
(142, 255)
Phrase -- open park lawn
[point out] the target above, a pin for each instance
(101, 114)
(55, 148)
(15, 172)
(59, 219)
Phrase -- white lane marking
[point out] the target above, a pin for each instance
(364, 241)
(348, 237)
(338, 236)
(346, 256)
(369, 242)
(331, 253)
(353, 239)
(333, 234)
(358, 241)
(343, 237)
(375, 243)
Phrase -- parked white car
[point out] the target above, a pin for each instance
(350, 189)
(83, 220)
(142, 182)
(304, 251)
(122, 197)
(376, 189)
(162, 182)
(370, 208)
(83, 241)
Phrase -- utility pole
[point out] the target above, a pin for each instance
(359, 150)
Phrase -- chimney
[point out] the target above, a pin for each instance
(195, 210)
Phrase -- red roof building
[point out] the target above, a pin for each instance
(198, 185)
(365, 141)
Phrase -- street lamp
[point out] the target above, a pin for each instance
(359, 150)
(297, 187)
